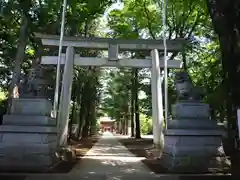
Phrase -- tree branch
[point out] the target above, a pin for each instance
(148, 20)
(194, 25)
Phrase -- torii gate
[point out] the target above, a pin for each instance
(114, 46)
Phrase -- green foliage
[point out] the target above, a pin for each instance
(82, 18)
(117, 94)
(146, 124)
(2, 95)
(111, 89)
(185, 19)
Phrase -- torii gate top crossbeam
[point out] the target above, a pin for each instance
(104, 43)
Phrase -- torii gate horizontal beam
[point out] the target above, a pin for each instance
(104, 43)
(94, 61)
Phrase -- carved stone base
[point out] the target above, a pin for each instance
(31, 106)
(28, 136)
(190, 109)
(34, 157)
(186, 151)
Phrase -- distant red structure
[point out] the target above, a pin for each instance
(107, 124)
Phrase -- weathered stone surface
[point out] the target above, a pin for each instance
(27, 162)
(27, 146)
(191, 110)
(187, 150)
(34, 84)
(185, 163)
(193, 150)
(27, 129)
(189, 124)
(28, 136)
(192, 142)
(194, 132)
(28, 120)
(194, 159)
(40, 107)
(185, 87)
(187, 153)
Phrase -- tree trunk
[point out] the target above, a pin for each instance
(82, 112)
(118, 127)
(91, 94)
(74, 98)
(132, 105)
(85, 129)
(225, 19)
(80, 124)
(87, 120)
(126, 124)
(122, 127)
(137, 118)
(70, 126)
(184, 61)
(23, 37)
(93, 115)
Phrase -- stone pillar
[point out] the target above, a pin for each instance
(65, 97)
(157, 104)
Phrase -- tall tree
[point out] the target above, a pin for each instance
(225, 19)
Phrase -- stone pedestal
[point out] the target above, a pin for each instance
(28, 136)
(193, 142)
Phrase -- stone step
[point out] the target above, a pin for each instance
(28, 120)
(194, 132)
(28, 129)
(69, 176)
(28, 106)
(28, 155)
(28, 147)
(36, 158)
(26, 162)
(9, 148)
(193, 124)
(22, 135)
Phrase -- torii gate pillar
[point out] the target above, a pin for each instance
(116, 46)
(157, 103)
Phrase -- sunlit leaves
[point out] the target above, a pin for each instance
(185, 19)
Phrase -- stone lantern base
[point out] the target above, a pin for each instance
(28, 136)
(193, 144)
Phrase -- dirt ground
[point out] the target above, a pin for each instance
(80, 148)
(143, 148)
